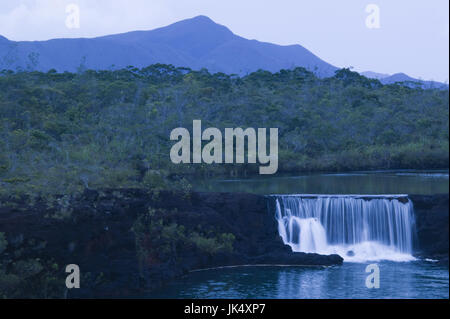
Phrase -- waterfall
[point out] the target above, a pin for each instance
(357, 227)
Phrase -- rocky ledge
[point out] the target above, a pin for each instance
(431, 213)
(129, 241)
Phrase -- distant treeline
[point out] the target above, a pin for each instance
(62, 132)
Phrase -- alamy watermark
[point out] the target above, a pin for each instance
(373, 19)
(73, 17)
(214, 152)
(373, 280)
(73, 279)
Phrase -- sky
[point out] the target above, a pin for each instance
(409, 36)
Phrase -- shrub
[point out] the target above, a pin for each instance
(3, 243)
(212, 245)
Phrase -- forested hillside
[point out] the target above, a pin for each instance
(62, 132)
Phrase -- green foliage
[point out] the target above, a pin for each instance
(62, 132)
(155, 180)
(3, 243)
(23, 274)
(28, 268)
(160, 239)
(8, 283)
(213, 245)
(31, 278)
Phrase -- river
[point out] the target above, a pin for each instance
(404, 278)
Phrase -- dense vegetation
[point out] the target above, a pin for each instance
(158, 239)
(62, 132)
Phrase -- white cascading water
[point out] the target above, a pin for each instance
(359, 228)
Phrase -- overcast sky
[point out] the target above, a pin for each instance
(413, 36)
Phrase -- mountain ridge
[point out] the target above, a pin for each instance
(196, 43)
(401, 77)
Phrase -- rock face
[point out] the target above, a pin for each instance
(125, 249)
(97, 231)
(432, 225)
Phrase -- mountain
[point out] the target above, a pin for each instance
(195, 43)
(405, 79)
(402, 77)
(374, 75)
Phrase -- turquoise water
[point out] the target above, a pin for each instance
(417, 279)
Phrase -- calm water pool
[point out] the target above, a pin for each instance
(380, 182)
(418, 279)
(414, 279)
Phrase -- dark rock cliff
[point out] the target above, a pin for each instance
(123, 249)
(130, 241)
(431, 212)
